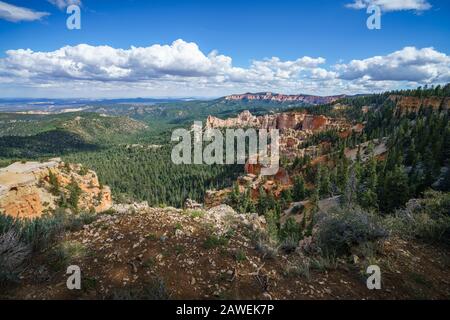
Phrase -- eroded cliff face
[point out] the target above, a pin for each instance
(28, 191)
(406, 104)
(244, 119)
(294, 127)
(283, 121)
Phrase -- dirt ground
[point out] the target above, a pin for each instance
(168, 253)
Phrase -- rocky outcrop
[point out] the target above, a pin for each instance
(28, 191)
(244, 119)
(283, 121)
(283, 98)
(221, 216)
(289, 120)
(192, 204)
(215, 198)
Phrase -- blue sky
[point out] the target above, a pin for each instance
(328, 31)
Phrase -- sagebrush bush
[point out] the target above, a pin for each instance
(289, 243)
(75, 222)
(68, 251)
(41, 232)
(264, 244)
(346, 228)
(13, 253)
(324, 262)
(6, 223)
(301, 268)
(20, 238)
(427, 219)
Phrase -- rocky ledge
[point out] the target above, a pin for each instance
(29, 189)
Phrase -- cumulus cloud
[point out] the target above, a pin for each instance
(391, 5)
(63, 4)
(409, 64)
(181, 68)
(15, 14)
(179, 60)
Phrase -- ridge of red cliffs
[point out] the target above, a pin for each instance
(282, 98)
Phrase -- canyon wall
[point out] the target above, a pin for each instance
(409, 104)
(283, 121)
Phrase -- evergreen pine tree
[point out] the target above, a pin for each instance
(396, 189)
(261, 206)
(299, 193)
(325, 183)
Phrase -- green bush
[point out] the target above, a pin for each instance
(290, 234)
(324, 262)
(272, 220)
(346, 228)
(265, 245)
(240, 255)
(83, 171)
(197, 214)
(6, 223)
(214, 241)
(75, 222)
(301, 268)
(66, 252)
(41, 232)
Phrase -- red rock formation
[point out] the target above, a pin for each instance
(294, 128)
(252, 168)
(25, 190)
(282, 177)
(25, 205)
(319, 123)
(281, 121)
(291, 120)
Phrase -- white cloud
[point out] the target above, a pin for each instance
(391, 5)
(409, 64)
(63, 4)
(178, 60)
(182, 69)
(15, 14)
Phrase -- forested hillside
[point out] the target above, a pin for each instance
(143, 173)
(131, 156)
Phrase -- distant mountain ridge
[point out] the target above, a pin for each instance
(282, 98)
